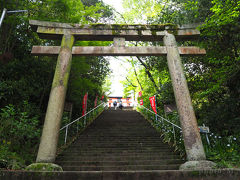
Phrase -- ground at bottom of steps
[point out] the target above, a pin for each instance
(220, 174)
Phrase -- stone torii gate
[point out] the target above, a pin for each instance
(69, 33)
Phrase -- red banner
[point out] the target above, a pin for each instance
(84, 104)
(95, 102)
(153, 104)
(102, 97)
(141, 100)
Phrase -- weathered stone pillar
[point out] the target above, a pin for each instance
(49, 139)
(191, 135)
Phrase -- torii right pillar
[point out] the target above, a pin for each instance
(192, 139)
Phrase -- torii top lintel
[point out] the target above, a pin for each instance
(106, 32)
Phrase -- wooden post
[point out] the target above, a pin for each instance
(49, 139)
(191, 135)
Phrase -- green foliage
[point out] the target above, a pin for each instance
(224, 13)
(107, 86)
(165, 11)
(160, 75)
(9, 159)
(17, 126)
(87, 75)
(18, 132)
(223, 150)
(44, 167)
(138, 11)
(71, 11)
(213, 80)
(171, 135)
(25, 81)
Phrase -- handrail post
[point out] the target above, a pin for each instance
(66, 133)
(85, 119)
(207, 139)
(2, 16)
(163, 124)
(77, 125)
(174, 135)
(156, 107)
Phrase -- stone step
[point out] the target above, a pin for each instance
(123, 134)
(119, 141)
(120, 152)
(115, 151)
(117, 157)
(126, 136)
(120, 163)
(121, 168)
(120, 146)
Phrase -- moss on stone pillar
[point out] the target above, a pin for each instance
(192, 139)
(49, 139)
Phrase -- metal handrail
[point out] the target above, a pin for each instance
(76, 120)
(81, 117)
(162, 118)
(173, 125)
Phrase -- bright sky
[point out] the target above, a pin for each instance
(117, 64)
(120, 70)
(117, 4)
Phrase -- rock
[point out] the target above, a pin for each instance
(44, 167)
(197, 165)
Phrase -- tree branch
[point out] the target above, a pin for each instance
(135, 72)
(130, 82)
(149, 74)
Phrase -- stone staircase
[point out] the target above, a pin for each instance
(121, 145)
(119, 141)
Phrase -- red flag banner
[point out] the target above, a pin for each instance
(141, 100)
(102, 97)
(84, 104)
(95, 102)
(153, 104)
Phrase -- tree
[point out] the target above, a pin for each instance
(25, 81)
(212, 79)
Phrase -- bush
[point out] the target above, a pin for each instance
(8, 159)
(19, 134)
(225, 151)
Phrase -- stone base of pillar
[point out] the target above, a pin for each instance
(198, 165)
(44, 167)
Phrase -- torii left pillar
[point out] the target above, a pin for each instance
(49, 140)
